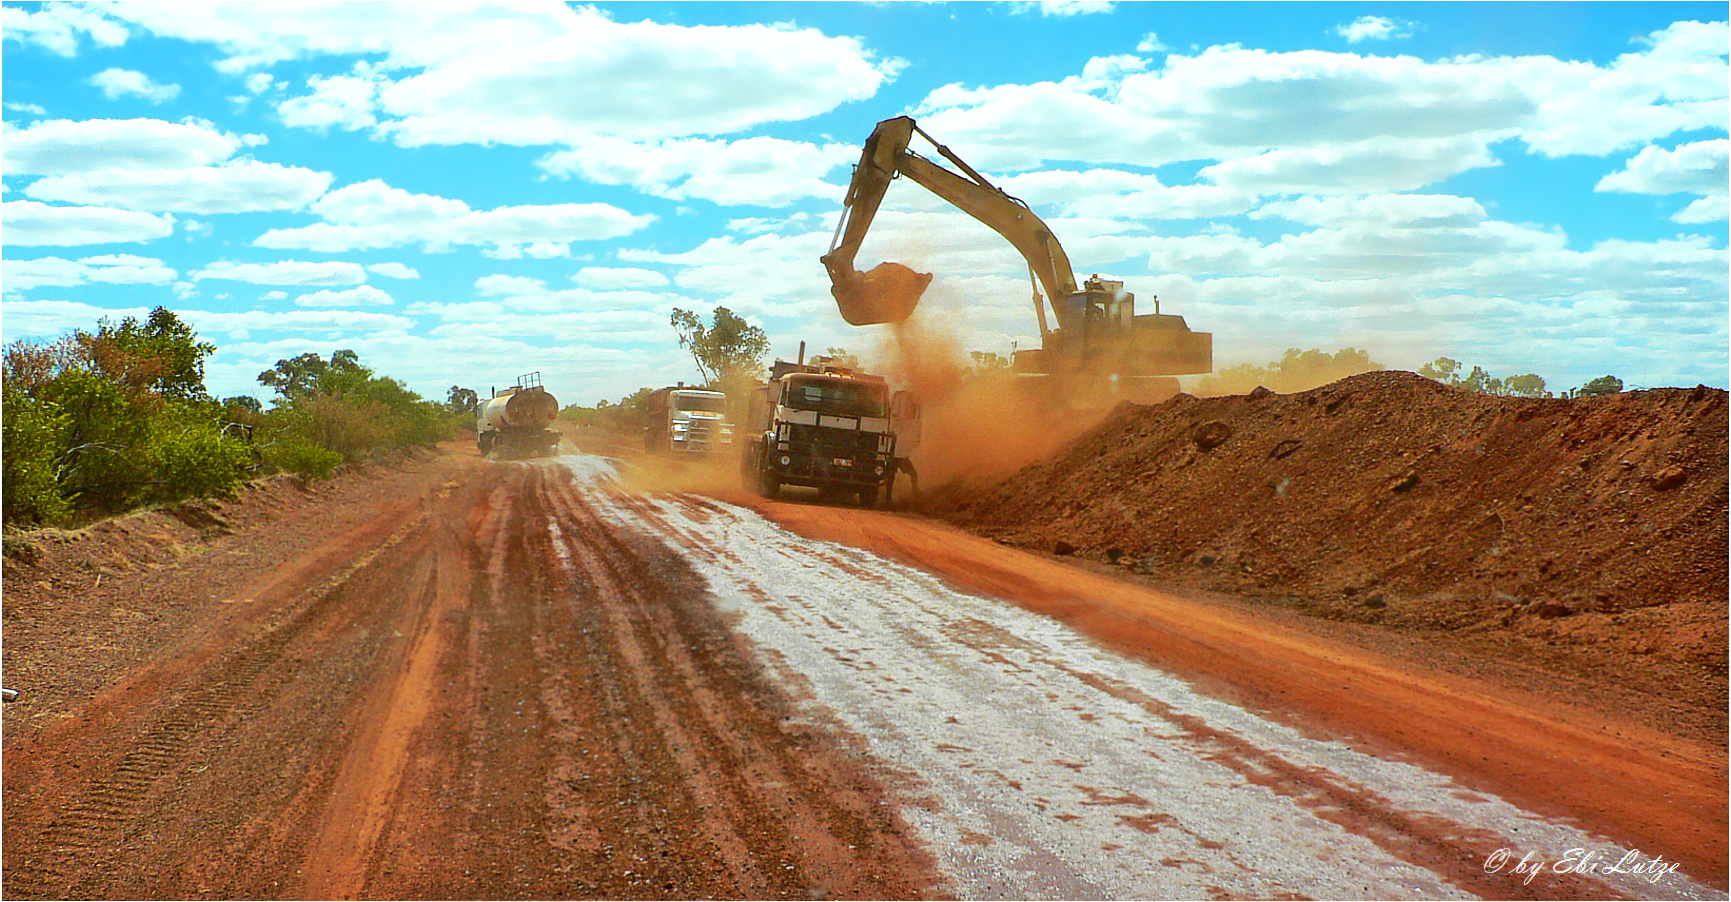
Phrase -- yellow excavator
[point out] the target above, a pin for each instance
(1098, 331)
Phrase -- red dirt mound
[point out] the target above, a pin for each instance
(1586, 536)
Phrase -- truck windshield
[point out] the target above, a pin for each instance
(707, 403)
(833, 396)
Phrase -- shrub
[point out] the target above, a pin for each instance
(30, 447)
(302, 457)
(191, 458)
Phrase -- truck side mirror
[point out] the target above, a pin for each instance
(904, 406)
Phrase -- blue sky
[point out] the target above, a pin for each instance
(465, 194)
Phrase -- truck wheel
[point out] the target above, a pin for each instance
(768, 484)
(868, 497)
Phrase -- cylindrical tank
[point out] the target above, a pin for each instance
(519, 409)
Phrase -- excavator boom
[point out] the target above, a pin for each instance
(1097, 326)
(890, 291)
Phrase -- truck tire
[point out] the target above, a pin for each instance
(768, 484)
(868, 497)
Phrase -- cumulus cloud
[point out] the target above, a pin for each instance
(32, 224)
(1150, 43)
(769, 172)
(1705, 210)
(240, 186)
(608, 278)
(117, 83)
(120, 269)
(393, 270)
(1695, 168)
(360, 296)
(1064, 8)
(285, 272)
(31, 108)
(1373, 28)
(57, 26)
(372, 214)
(514, 74)
(60, 146)
(342, 101)
(1229, 102)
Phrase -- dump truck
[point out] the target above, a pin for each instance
(1098, 335)
(831, 428)
(687, 421)
(514, 422)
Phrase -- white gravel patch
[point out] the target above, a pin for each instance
(1047, 767)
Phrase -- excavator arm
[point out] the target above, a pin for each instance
(890, 291)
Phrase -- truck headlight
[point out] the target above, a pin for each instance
(785, 460)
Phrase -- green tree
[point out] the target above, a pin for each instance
(308, 373)
(1529, 385)
(1604, 385)
(729, 349)
(462, 400)
(1442, 369)
(161, 355)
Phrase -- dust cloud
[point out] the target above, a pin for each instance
(975, 425)
(1295, 371)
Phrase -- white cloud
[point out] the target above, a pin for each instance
(393, 270)
(769, 172)
(1695, 168)
(32, 224)
(285, 272)
(117, 83)
(63, 146)
(243, 323)
(1705, 210)
(259, 82)
(1380, 211)
(239, 186)
(1228, 102)
(372, 214)
(360, 296)
(1377, 165)
(57, 26)
(273, 296)
(1373, 28)
(122, 269)
(606, 278)
(1150, 43)
(514, 74)
(343, 101)
(42, 319)
(1064, 8)
(30, 108)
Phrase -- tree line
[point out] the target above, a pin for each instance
(97, 422)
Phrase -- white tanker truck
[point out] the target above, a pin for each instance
(513, 423)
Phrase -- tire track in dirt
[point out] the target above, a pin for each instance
(483, 691)
(210, 685)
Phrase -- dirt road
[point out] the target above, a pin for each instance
(524, 681)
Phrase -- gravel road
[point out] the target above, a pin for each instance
(524, 680)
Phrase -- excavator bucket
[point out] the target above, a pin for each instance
(887, 293)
